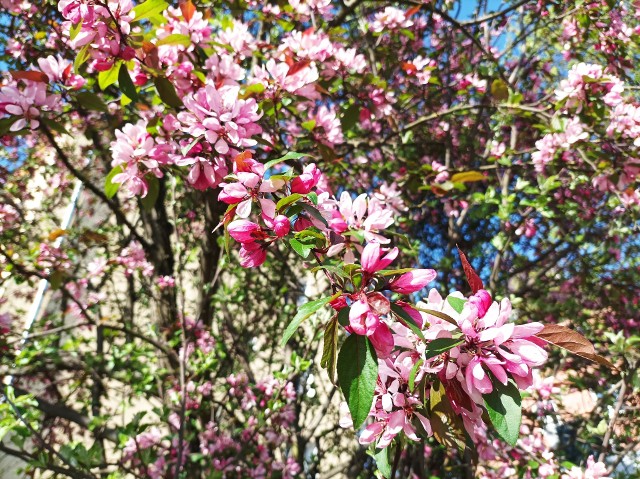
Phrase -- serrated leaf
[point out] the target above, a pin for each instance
(357, 375)
(441, 345)
(54, 125)
(287, 200)
(472, 277)
(254, 89)
(456, 303)
(330, 348)
(350, 117)
(81, 58)
(343, 316)
(148, 9)
(392, 272)
(31, 75)
(110, 189)
(109, 77)
(315, 213)
(55, 279)
(499, 90)
(126, 83)
(175, 39)
(74, 30)
(153, 190)
(438, 314)
(446, 424)
(407, 320)
(573, 342)
(413, 373)
(308, 125)
(382, 462)
(504, 407)
(188, 9)
(304, 313)
(167, 92)
(300, 248)
(91, 101)
(292, 155)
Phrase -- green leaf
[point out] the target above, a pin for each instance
(149, 201)
(148, 9)
(407, 320)
(167, 92)
(413, 373)
(308, 125)
(126, 83)
(313, 196)
(287, 200)
(91, 101)
(441, 345)
(55, 279)
(54, 125)
(343, 316)
(357, 375)
(330, 348)
(110, 189)
(175, 39)
(292, 155)
(109, 77)
(74, 30)
(304, 313)
(456, 303)
(392, 272)
(302, 249)
(81, 57)
(446, 424)
(382, 462)
(5, 124)
(315, 213)
(505, 411)
(256, 88)
(350, 117)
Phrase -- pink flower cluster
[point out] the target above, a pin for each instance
(221, 118)
(138, 154)
(585, 80)
(490, 348)
(26, 103)
(103, 26)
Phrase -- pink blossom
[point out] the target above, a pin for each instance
(60, 70)
(412, 281)
(309, 178)
(374, 258)
(26, 103)
(219, 116)
(281, 226)
(391, 18)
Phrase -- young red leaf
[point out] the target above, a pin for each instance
(188, 9)
(296, 67)
(30, 75)
(472, 277)
(573, 342)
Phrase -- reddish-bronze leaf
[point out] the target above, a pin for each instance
(297, 66)
(188, 9)
(412, 11)
(30, 75)
(472, 277)
(409, 68)
(573, 342)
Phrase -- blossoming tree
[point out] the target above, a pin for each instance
(230, 228)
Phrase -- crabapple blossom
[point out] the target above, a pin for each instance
(26, 103)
